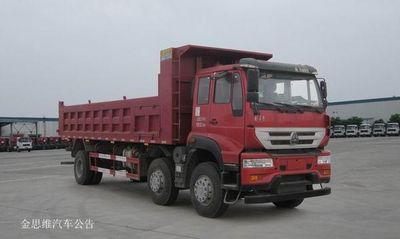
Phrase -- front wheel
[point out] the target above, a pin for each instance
(206, 193)
(160, 180)
(289, 203)
(96, 178)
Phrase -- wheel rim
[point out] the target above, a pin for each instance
(157, 181)
(79, 168)
(204, 190)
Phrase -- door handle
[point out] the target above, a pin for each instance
(213, 121)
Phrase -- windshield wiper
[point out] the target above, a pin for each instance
(274, 105)
(317, 109)
(290, 105)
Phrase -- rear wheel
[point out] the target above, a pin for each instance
(160, 180)
(83, 174)
(289, 203)
(206, 193)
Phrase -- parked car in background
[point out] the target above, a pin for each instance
(4, 144)
(379, 129)
(365, 130)
(392, 129)
(339, 131)
(23, 143)
(352, 130)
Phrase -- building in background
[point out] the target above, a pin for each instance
(28, 126)
(368, 109)
(41, 133)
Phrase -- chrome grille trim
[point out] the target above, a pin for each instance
(272, 138)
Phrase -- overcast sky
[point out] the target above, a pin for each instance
(76, 50)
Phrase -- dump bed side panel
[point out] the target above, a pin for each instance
(133, 120)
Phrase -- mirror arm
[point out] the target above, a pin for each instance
(255, 108)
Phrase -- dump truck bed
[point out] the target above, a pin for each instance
(131, 120)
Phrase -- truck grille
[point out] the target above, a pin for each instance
(290, 138)
(286, 142)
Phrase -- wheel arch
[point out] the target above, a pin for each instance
(77, 145)
(206, 145)
(203, 149)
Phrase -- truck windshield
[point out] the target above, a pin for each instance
(378, 126)
(339, 127)
(25, 140)
(391, 126)
(352, 127)
(286, 90)
(364, 127)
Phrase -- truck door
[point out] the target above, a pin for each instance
(226, 120)
(202, 106)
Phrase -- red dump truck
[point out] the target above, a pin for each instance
(226, 124)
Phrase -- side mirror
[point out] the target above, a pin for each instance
(252, 97)
(324, 103)
(324, 91)
(252, 85)
(252, 80)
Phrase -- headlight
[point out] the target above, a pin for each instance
(324, 159)
(258, 163)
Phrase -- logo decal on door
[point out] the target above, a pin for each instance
(197, 111)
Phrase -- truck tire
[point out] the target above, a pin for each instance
(289, 203)
(82, 172)
(96, 179)
(160, 180)
(206, 192)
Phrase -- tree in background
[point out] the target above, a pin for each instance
(395, 118)
(379, 121)
(354, 120)
(336, 121)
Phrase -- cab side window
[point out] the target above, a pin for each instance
(204, 89)
(222, 93)
(237, 96)
(229, 90)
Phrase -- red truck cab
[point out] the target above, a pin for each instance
(227, 124)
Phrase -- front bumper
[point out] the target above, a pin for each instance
(292, 167)
(265, 198)
(290, 177)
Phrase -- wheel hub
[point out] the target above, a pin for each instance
(203, 190)
(157, 181)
